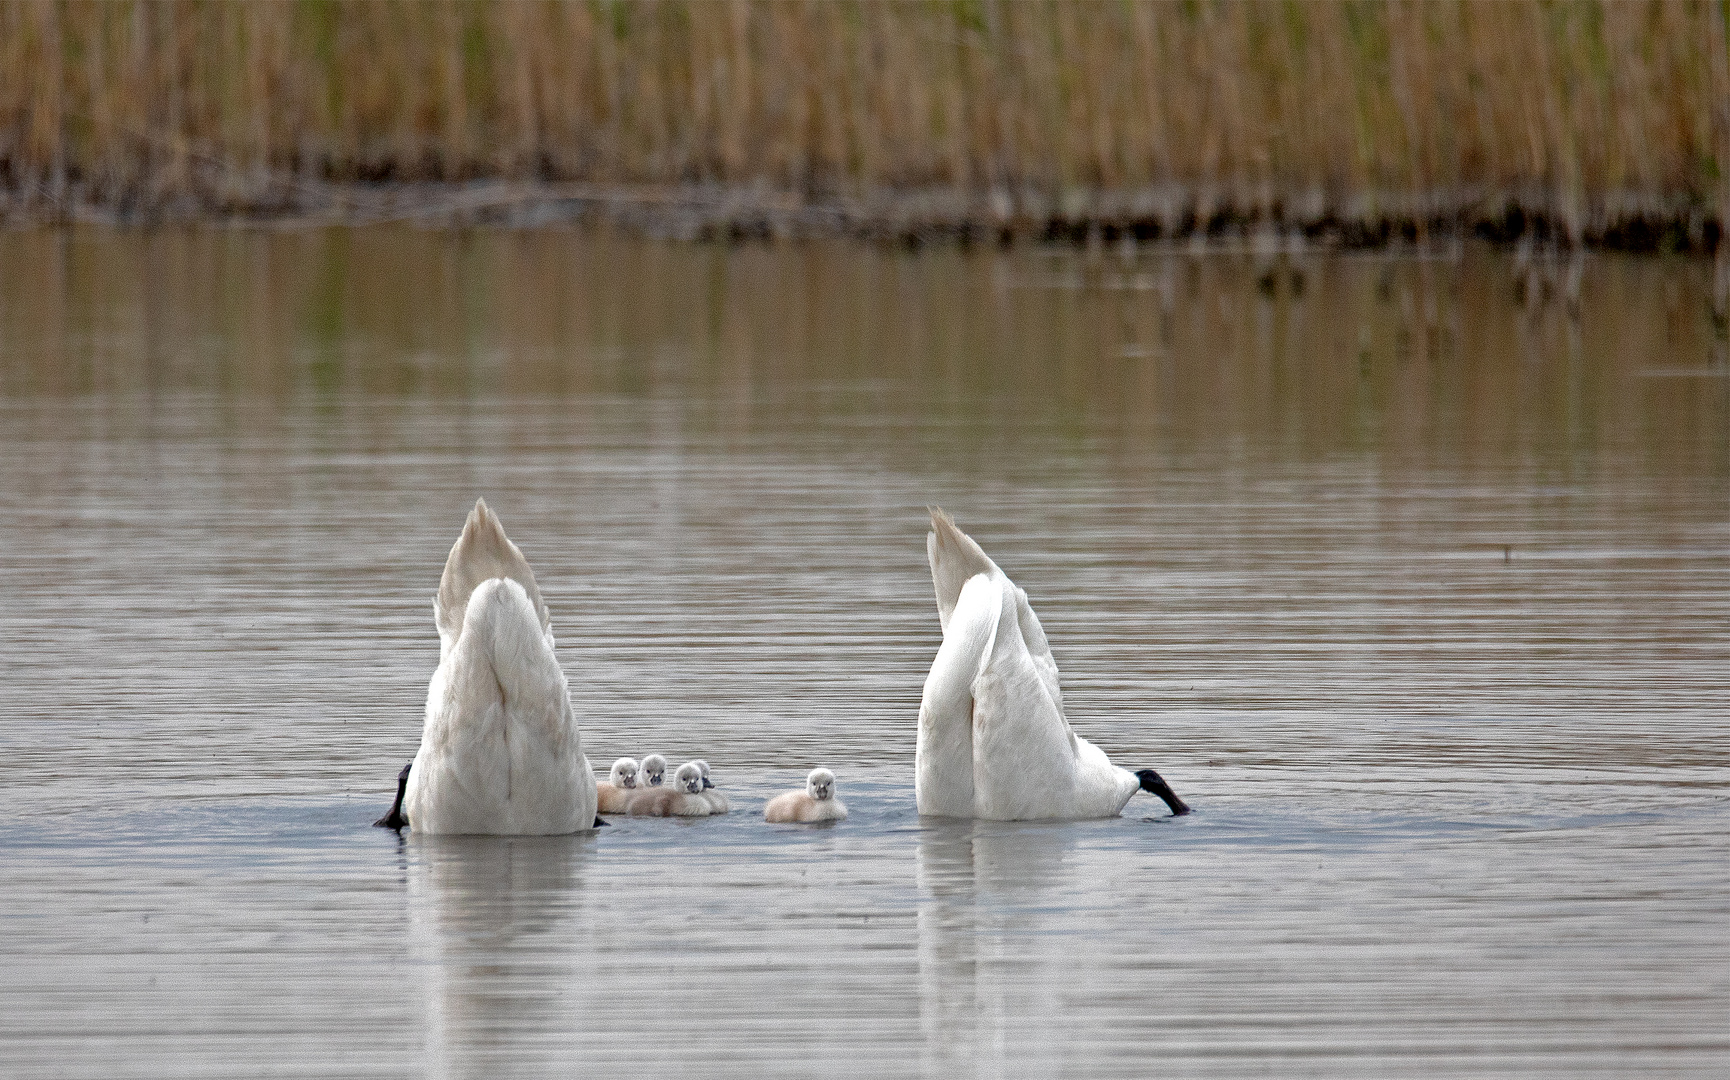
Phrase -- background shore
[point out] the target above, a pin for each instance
(1590, 123)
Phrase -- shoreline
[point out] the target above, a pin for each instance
(1630, 221)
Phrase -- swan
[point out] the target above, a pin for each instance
(613, 792)
(684, 798)
(500, 753)
(718, 803)
(816, 803)
(993, 740)
(654, 770)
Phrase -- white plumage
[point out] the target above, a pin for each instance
(718, 803)
(500, 752)
(816, 803)
(993, 739)
(612, 793)
(683, 798)
(654, 770)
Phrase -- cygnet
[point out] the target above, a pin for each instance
(618, 787)
(816, 803)
(718, 803)
(683, 799)
(654, 770)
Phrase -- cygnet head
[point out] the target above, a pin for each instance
(703, 767)
(689, 778)
(820, 784)
(654, 770)
(624, 773)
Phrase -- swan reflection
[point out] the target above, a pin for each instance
(982, 968)
(492, 921)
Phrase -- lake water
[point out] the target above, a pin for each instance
(1419, 595)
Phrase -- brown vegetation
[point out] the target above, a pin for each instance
(1602, 121)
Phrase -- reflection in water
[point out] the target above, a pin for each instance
(986, 962)
(491, 926)
(1419, 594)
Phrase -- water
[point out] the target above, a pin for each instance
(1419, 596)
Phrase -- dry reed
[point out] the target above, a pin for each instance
(1597, 119)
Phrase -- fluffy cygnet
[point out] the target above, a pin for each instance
(718, 803)
(683, 799)
(654, 770)
(618, 787)
(816, 803)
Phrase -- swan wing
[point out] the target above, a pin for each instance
(1024, 754)
(1039, 654)
(943, 757)
(483, 552)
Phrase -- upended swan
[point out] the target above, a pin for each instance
(816, 803)
(993, 739)
(612, 793)
(500, 753)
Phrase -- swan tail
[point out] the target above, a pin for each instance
(955, 559)
(481, 553)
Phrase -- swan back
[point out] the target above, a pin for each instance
(501, 753)
(482, 553)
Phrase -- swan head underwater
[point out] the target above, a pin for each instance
(624, 773)
(1153, 783)
(654, 770)
(689, 779)
(820, 784)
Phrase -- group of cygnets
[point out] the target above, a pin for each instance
(501, 753)
(638, 790)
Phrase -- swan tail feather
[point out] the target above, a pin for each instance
(481, 553)
(955, 559)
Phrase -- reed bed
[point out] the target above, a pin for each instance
(1604, 122)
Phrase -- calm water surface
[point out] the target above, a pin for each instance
(1419, 596)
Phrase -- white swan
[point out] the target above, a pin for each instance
(654, 770)
(718, 803)
(993, 740)
(684, 798)
(612, 793)
(500, 752)
(816, 803)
